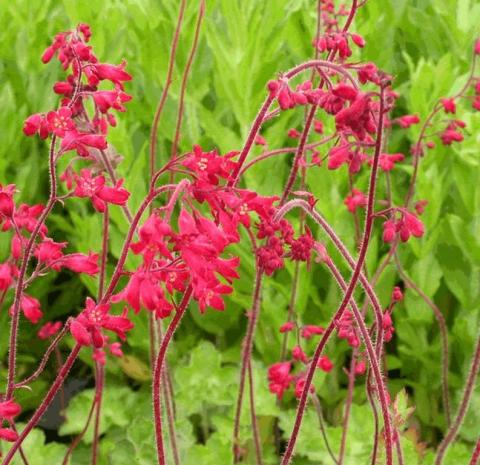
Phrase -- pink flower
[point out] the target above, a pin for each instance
(31, 308)
(8, 434)
(293, 133)
(360, 367)
(49, 252)
(116, 349)
(6, 276)
(357, 199)
(451, 135)
(113, 73)
(49, 329)
(280, 378)
(74, 140)
(356, 118)
(407, 120)
(397, 294)
(287, 327)
(80, 263)
(325, 364)
(9, 409)
(387, 161)
(95, 189)
(358, 40)
(300, 386)
(107, 99)
(7, 205)
(308, 331)
(60, 121)
(36, 123)
(299, 354)
(449, 105)
(338, 156)
(87, 328)
(260, 140)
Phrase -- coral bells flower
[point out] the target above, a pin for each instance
(388, 328)
(49, 329)
(60, 121)
(100, 194)
(115, 74)
(107, 99)
(357, 199)
(7, 206)
(357, 118)
(8, 435)
(308, 331)
(449, 105)
(9, 410)
(87, 328)
(80, 263)
(407, 120)
(287, 327)
(299, 354)
(49, 252)
(36, 123)
(7, 272)
(397, 294)
(325, 364)
(300, 386)
(74, 140)
(301, 248)
(31, 308)
(346, 330)
(280, 378)
(387, 161)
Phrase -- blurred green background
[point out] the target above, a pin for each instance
(425, 44)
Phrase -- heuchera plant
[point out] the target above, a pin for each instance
(195, 210)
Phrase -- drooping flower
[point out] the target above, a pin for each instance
(308, 331)
(9, 409)
(81, 263)
(87, 328)
(357, 199)
(325, 364)
(280, 378)
(60, 121)
(49, 329)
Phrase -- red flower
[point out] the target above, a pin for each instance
(287, 327)
(8, 434)
(143, 289)
(60, 121)
(7, 206)
(397, 294)
(106, 99)
(325, 364)
(87, 328)
(95, 189)
(300, 386)
(299, 354)
(49, 329)
(407, 120)
(451, 135)
(31, 308)
(113, 73)
(6, 275)
(449, 105)
(9, 409)
(356, 118)
(49, 252)
(74, 140)
(80, 263)
(308, 331)
(293, 133)
(387, 161)
(36, 123)
(280, 378)
(357, 199)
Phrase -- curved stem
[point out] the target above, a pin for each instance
(462, 410)
(443, 336)
(157, 374)
(168, 82)
(246, 356)
(348, 294)
(201, 12)
(59, 380)
(321, 424)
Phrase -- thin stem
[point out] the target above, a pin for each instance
(45, 357)
(99, 381)
(80, 435)
(247, 346)
(168, 82)
(348, 294)
(12, 356)
(476, 454)
(443, 336)
(47, 400)
(103, 262)
(255, 433)
(157, 374)
(348, 405)
(462, 410)
(201, 13)
(321, 424)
